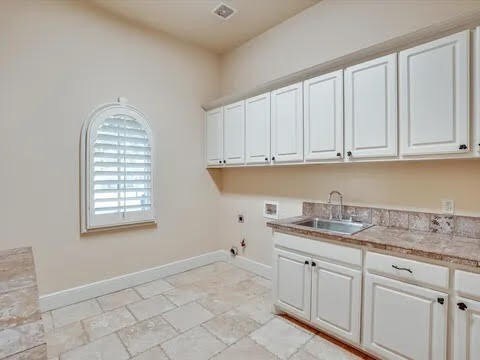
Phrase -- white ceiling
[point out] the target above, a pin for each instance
(193, 21)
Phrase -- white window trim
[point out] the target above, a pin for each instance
(85, 172)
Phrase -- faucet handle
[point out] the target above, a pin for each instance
(355, 218)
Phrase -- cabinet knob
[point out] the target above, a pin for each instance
(349, 153)
(266, 159)
(462, 306)
(224, 161)
(339, 154)
(462, 147)
(273, 158)
(219, 161)
(306, 262)
(441, 300)
(314, 263)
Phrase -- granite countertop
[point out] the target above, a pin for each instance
(444, 247)
(21, 330)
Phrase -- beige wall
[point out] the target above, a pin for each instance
(328, 30)
(58, 61)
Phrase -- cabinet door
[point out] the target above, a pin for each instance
(257, 129)
(292, 283)
(214, 135)
(323, 122)
(234, 133)
(336, 299)
(287, 124)
(434, 96)
(467, 329)
(371, 108)
(476, 97)
(403, 321)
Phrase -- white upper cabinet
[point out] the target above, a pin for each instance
(323, 122)
(234, 133)
(434, 96)
(257, 129)
(214, 134)
(476, 102)
(371, 108)
(404, 321)
(287, 124)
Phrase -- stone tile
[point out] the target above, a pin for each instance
(150, 307)
(380, 217)
(323, 349)
(218, 267)
(443, 224)
(21, 338)
(18, 270)
(419, 221)
(36, 353)
(303, 355)
(194, 276)
(188, 316)
(196, 344)
(231, 326)
(226, 278)
(184, 294)
(64, 338)
(106, 348)
(398, 219)
(47, 321)
(258, 309)
(250, 288)
(153, 354)
(75, 312)
(146, 334)
(245, 349)
(467, 226)
(358, 213)
(280, 337)
(153, 288)
(260, 280)
(18, 307)
(108, 323)
(118, 299)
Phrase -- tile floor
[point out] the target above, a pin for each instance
(213, 312)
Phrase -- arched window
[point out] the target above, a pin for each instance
(117, 168)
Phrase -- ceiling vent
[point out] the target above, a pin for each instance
(224, 11)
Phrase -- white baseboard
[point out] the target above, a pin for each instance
(99, 288)
(250, 265)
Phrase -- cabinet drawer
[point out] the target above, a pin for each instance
(467, 284)
(320, 249)
(407, 269)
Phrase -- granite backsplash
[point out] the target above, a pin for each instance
(411, 220)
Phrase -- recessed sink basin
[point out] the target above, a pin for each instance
(342, 227)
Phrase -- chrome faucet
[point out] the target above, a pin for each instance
(336, 192)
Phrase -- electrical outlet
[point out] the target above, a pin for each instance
(448, 206)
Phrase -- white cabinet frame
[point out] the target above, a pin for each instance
(438, 65)
(323, 117)
(214, 137)
(257, 129)
(287, 124)
(362, 114)
(234, 133)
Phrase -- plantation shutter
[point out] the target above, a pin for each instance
(120, 172)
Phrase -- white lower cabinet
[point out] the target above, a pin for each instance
(467, 329)
(336, 299)
(292, 283)
(404, 321)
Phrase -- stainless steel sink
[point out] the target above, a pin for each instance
(342, 227)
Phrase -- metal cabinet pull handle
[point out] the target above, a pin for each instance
(402, 268)
(462, 306)
(306, 262)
